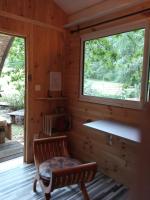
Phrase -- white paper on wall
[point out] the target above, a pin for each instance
(55, 81)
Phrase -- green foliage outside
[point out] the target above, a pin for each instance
(13, 75)
(18, 132)
(16, 56)
(116, 60)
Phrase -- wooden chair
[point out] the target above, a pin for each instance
(56, 169)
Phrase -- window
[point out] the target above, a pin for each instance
(114, 68)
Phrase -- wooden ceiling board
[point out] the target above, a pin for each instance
(73, 6)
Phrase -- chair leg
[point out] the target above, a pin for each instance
(47, 196)
(34, 185)
(84, 191)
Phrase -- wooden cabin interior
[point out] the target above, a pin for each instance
(55, 32)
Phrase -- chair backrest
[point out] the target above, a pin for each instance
(47, 148)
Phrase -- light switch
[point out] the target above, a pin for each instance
(37, 87)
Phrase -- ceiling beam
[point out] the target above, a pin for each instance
(104, 9)
(28, 20)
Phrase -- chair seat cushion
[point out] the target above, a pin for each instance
(56, 163)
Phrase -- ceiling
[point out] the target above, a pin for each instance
(72, 6)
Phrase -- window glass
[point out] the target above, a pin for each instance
(112, 66)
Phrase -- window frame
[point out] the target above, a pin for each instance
(143, 24)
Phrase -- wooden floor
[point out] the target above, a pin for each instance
(10, 149)
(16, 184)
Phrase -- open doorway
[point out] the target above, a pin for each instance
(12, 96)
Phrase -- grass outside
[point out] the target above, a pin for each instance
(110, 90)
(18, 132)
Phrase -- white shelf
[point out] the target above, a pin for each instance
(116, 128)
(51, 98)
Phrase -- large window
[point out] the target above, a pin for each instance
(113, 69)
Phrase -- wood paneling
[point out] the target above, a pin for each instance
(47, 12)
(41, 25)
(118, 160)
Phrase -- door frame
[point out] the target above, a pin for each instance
(26, 100)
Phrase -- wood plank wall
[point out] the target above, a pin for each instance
(41, 23)
(118, 160)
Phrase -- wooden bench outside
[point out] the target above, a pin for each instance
(17, 116)
(5, 130)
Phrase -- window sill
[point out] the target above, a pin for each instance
(112, 102)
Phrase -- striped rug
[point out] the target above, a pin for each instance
(16, 184)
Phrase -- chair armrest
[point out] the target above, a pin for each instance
(74, 175)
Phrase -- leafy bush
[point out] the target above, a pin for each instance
(15, 100)
(13, 75)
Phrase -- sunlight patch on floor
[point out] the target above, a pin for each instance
(7, 165)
